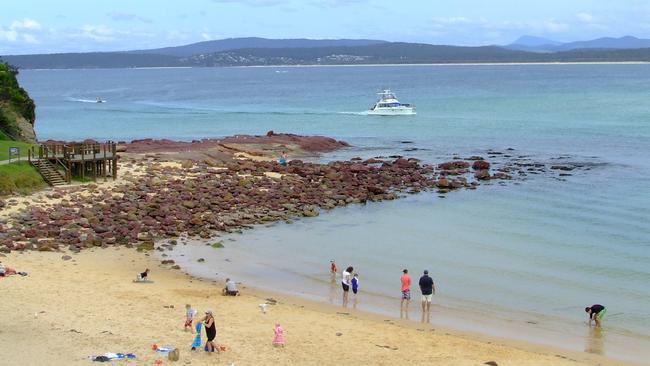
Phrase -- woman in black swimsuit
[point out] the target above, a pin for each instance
(210, 330)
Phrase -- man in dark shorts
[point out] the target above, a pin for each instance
(346, 281)
(428, 289)
(596, 313)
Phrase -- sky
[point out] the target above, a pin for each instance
(43, 26)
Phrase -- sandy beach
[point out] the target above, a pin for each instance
(68, 310)
(79, 299)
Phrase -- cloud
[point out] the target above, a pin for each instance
(30, 39)
(25, 30)
(25, 24)
(477, 31)
(553, 26)
(585, 17)
(8, 35)
(176, 35)
(100, 33)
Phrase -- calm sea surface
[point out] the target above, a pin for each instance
(531, 254)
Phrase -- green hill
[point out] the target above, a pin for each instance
(17, 109)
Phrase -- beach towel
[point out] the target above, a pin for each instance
(197, 340)
(112, 356)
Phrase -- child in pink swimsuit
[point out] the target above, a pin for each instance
(278, 338)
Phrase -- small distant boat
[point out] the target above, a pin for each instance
(99, 100)
(388, 105)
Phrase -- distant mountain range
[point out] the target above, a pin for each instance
(538, 44)
(252, 42)
(277, 52)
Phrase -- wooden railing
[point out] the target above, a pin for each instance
(70, 155)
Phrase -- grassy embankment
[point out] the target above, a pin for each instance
(6, 143)
(19, 178)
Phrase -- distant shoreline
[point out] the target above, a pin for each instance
(366, 65)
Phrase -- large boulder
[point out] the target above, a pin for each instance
(481, 165)
(453, 165)
(482, 174)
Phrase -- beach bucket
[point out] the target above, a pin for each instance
(174, 355)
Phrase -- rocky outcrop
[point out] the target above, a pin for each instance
(17, 109)
(199, 200)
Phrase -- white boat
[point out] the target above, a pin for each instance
(388, 105)
(99, 100)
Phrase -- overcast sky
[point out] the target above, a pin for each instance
(34, 26)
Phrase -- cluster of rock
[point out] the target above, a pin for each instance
(199, 200)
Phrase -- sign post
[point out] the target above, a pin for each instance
(14, 153)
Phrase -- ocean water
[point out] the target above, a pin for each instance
(518, 260)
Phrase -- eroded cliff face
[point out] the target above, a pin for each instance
(17, 109)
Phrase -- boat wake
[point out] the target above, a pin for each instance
(364, 113)
(85, 100)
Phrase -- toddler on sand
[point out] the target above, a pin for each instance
(278, 338)
(189, 316)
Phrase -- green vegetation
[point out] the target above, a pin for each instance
(5, 144)
(353, 54)
(217, 245)
(17, 109)
(19, 177)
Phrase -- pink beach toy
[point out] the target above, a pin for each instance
(278, 339)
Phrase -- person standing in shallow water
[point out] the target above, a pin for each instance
(428, 289)
(346, 281)
(596, 313)
(406, 294)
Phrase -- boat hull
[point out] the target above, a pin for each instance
(392, 112)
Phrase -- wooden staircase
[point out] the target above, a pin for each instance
(49, 172)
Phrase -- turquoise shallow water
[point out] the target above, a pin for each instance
(542, 249)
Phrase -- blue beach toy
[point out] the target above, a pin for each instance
(197, 340)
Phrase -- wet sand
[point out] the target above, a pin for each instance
(65, 311)
(265, 266)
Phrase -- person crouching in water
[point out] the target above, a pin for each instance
(596, 313)
(230, 289)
